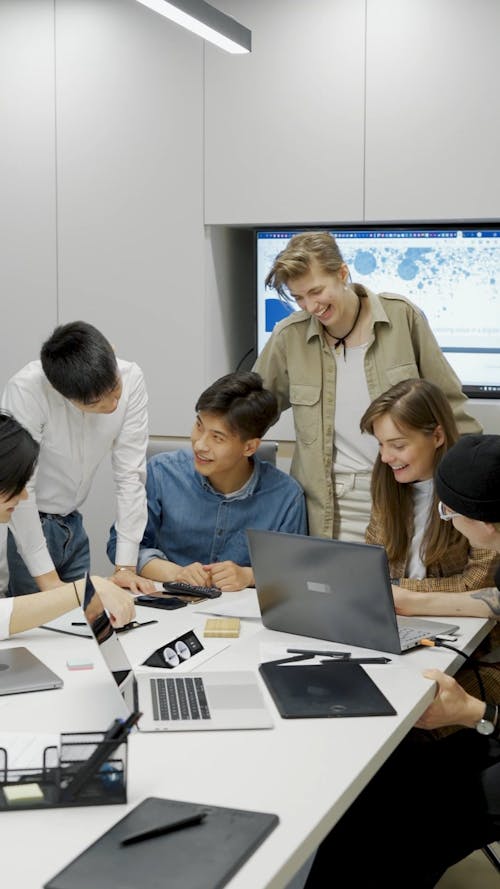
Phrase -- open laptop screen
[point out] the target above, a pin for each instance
(109, 644)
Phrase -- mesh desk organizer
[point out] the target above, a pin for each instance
(88, 770)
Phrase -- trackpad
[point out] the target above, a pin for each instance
(234, 697)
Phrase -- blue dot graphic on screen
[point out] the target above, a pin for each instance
(365, 262)
(408, 268)
(276, 310)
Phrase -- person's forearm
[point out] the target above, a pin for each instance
(160, 569)
(48, 581)
(473, 711)
(459, 604)
(250, 577)
(38, 608)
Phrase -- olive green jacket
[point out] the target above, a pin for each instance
(298, 366)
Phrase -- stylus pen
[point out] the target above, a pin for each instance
(324, 652)
(67, 632)
(134, 625)
(362, 660)
(163, 829)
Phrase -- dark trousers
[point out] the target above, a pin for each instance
(68, 546)
(428, 807)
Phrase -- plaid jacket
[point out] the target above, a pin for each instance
(457, 572)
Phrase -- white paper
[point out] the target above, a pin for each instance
(25, 749)
(243, 605)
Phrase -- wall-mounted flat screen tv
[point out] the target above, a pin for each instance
(452, 272)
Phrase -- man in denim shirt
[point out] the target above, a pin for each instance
(201, 503)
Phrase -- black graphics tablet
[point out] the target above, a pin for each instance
(204, 856)
(328, 690)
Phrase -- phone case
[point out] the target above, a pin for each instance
(169, 604)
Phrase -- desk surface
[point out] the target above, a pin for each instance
(306, 771)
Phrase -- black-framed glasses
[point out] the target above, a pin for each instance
(444, 514)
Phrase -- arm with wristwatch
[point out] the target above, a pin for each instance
(452, 705)
(125, 576)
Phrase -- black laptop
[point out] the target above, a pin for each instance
(332, 590)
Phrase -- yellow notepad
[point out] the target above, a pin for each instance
(23, 793)
(226, 627)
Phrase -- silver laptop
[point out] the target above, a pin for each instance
(22, 671)
(333, 590)
(186, 702)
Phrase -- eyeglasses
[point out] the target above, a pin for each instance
(444, 515)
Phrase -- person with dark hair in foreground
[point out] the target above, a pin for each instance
(437, 802)
(80, 403)
(201, 503)
(18, 457)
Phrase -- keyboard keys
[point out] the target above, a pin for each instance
(179, 698)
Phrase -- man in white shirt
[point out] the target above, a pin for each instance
(18, 458)
(80, 403)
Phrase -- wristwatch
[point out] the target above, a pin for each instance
(488, 723)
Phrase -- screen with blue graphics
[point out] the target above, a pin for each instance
(452, 274)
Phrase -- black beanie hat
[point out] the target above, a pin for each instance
(468, 477)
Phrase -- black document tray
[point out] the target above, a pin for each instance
(327, 690)
(108, 786)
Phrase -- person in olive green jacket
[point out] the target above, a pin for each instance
(329, 361)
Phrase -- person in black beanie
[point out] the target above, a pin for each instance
(467, 481)
(425, 836)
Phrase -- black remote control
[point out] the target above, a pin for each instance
(188, 589)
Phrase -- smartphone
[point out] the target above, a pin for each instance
(169, 602)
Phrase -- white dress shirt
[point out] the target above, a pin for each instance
(72, 444)
(5, 604)
(5, 613)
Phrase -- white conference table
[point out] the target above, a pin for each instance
(308, 772)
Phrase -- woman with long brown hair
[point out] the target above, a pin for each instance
(414, 425)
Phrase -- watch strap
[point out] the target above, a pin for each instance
(488, 724)
(491, 713)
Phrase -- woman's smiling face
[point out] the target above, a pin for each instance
(408, 452)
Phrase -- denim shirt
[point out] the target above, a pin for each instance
(188, 521)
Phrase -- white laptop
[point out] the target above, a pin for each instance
(187, 702)
(333, 590)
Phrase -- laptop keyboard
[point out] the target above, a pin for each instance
(179, 698)
(409, 636)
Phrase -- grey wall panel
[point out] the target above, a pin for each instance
(432, 115)
(231, 321)
(27, 181)
(284, 125)
(131, 236)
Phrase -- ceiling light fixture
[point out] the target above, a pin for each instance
(203, 19)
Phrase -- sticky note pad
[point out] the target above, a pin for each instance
(23, 793)
(226, 627)
(79, 663)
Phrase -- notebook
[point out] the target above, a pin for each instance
(329, 690)
(22, 671)
(204, 856)
(231, 700)
(332, 590)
